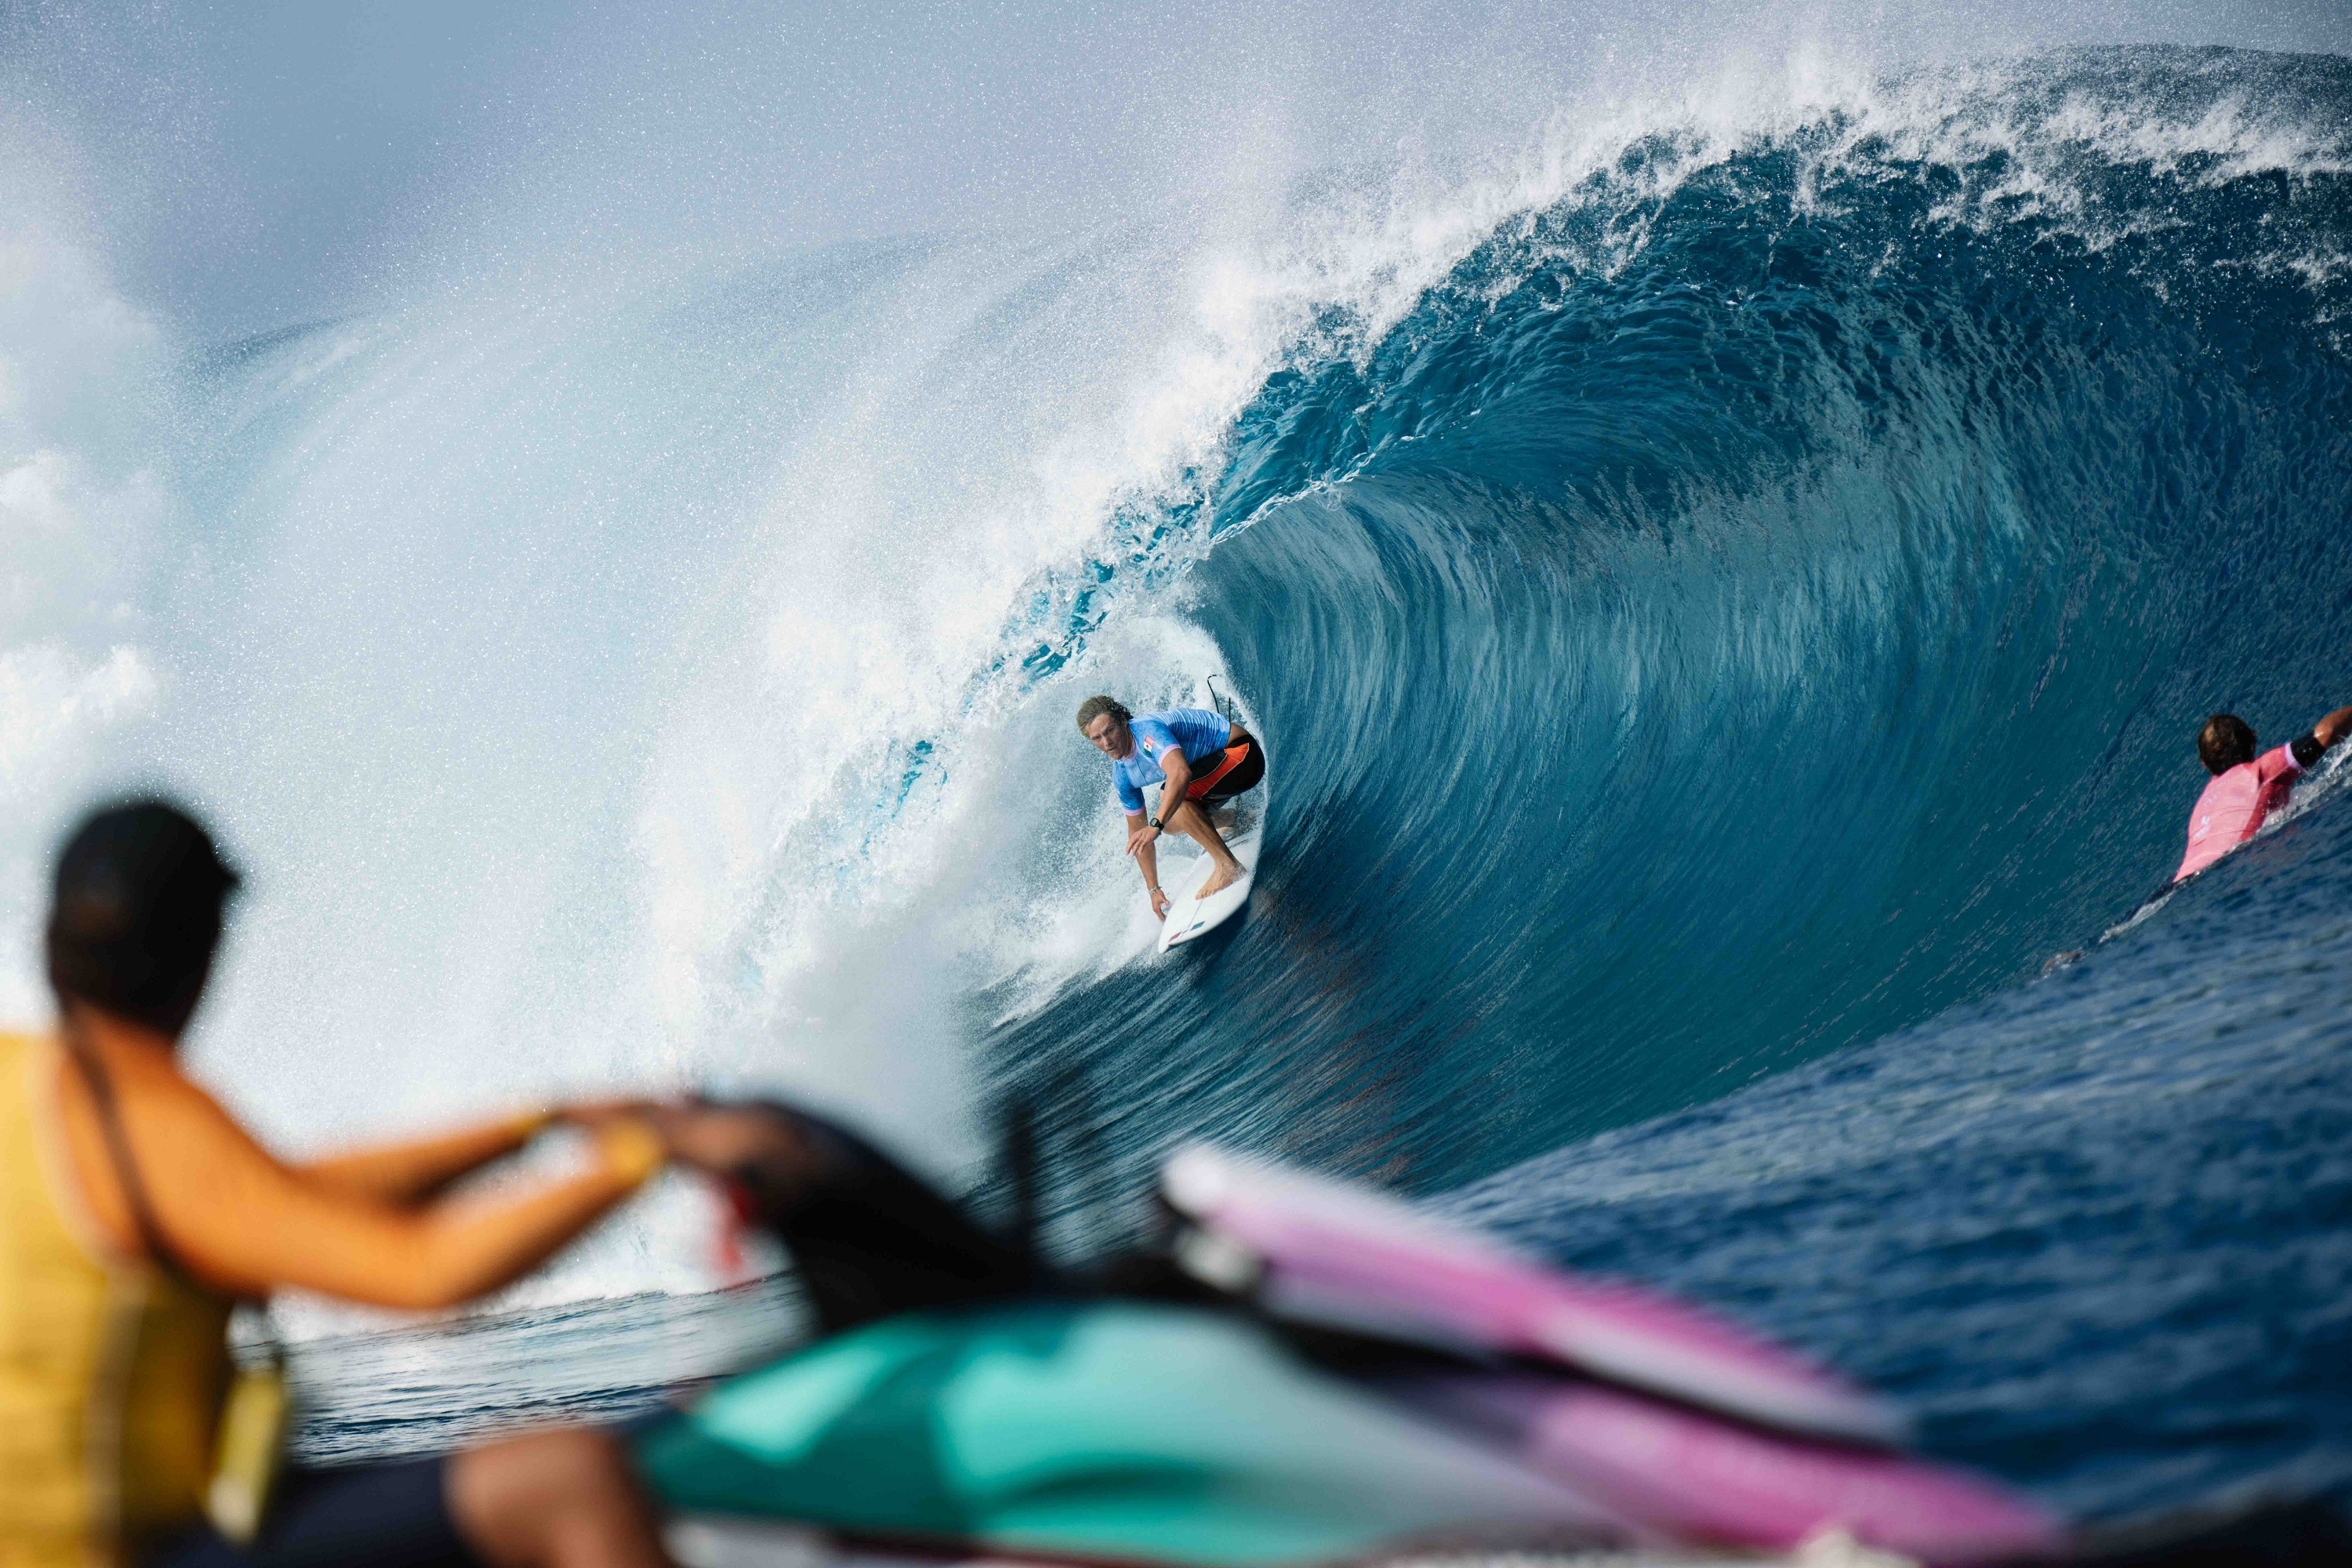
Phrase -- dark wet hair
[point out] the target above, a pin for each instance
(2225, 742)
(136, 913)
(1094, 707)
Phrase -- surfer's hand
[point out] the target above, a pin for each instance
(1140, 840)
(1159, 902)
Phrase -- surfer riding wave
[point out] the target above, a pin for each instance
(1200, 757)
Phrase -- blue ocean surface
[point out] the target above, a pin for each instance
(1713, 646)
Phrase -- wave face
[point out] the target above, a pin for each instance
(1762, 602)
(1764, 597)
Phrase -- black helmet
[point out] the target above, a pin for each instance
(136, 913)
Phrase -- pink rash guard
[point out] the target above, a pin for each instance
(2233, 806)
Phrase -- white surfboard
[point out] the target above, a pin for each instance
(1243, 826)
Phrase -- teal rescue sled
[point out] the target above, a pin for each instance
(1120, 1431)
(1301, 1372)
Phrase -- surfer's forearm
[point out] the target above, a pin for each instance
(1141, 837)
(2333, 728)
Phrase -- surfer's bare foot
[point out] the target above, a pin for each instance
(1221, 879)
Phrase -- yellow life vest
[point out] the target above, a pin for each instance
(111, 1372)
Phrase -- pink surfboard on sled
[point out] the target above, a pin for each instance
(1652, 1448)
(1689, 1476)
(1316, 1250)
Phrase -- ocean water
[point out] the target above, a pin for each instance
(1729, 593)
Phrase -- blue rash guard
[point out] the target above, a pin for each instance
(1195, 731)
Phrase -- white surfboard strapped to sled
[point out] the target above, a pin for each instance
(1243, 824)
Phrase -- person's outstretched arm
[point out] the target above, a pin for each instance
(414, 1169)
(247, 1224)
(1143, 838)
(2304, 749)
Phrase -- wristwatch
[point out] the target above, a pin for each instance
(1155, 824)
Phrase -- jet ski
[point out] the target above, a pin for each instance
(1301, 1372)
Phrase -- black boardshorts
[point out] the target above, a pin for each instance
(1237, 769)
(391, 1515)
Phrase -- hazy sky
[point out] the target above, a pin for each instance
(258, 161)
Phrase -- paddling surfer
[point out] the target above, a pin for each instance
(2247, 785)
(1202, 759)
(2246, 788)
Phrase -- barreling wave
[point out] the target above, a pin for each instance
(1759, 601)
(1759, 598)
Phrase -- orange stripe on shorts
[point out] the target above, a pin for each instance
(1207, 782)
